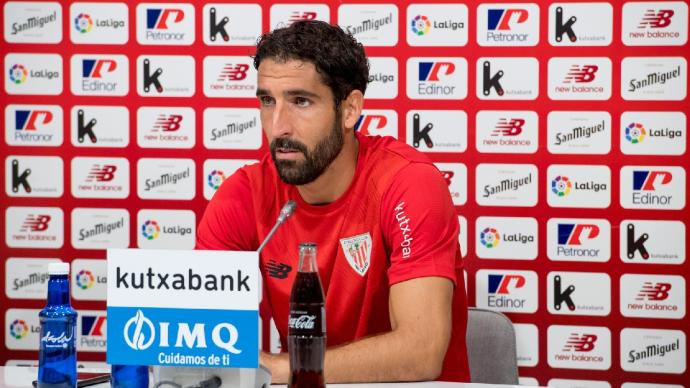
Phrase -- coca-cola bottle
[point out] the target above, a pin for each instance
(307, 323)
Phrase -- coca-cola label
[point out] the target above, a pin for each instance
(307, 320)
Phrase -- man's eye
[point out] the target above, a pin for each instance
(301, 101)
(266, 100)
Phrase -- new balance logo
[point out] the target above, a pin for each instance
(304, 15)
(368, 124)
(157, 18)
(573, 234)
(491, 81)
(27, 119)
(581, 74)
(277, 270)
(419, 134)
(648, 180)
(167, 123)
(233, 72)
(430, 71)
(92, 325)
(560, 296)
(580, 343)
(85, 130)
(501, 19)
(656, 19)
(654, 291)
(564, 28)
(152, 79)
(20, 179)
(508, 127)
(37, 223)
(94, 68)
(216, 28)
(504, 284)
(105, 173)
(448, 176)
(635, 245)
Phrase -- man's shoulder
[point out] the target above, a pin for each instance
(389, 147)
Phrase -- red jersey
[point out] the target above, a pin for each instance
(395, 222)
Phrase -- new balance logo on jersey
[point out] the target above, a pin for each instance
(560, 296)
(20, 179)
(278, 270)
(27, 120)
(448, 176)
(160, 18)
(434, 71)
(93, 325)
(574, 234)
(167, 123)
(654, 291)
(95, 68)
(232, 72)
(505, 284)
(100, 173)
(37, 223)
(369, 124)
(580, 343)
(419, 133)
(491, 81)
(650, 180)
(152, 79)
(564, 28)
(508, 127)
(216, 27)
(304, 15)
(85, 130)
(656, 18)
(636, 244)
(581, 74)
(502, 19)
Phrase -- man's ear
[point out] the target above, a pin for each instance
(352, 107)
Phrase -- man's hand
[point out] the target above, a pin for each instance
(414, 350)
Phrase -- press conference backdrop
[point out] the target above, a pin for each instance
(561, 129)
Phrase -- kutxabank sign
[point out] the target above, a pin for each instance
(183, 308)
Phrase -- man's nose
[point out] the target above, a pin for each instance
(281, 121)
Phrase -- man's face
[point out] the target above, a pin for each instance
(303, 128)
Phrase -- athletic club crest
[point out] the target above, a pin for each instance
(357, 250)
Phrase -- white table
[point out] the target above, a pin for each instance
(18, 376)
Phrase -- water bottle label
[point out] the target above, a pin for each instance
(54, 340)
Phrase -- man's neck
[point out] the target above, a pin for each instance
(337, 177)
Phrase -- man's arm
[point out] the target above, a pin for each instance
(420, 314)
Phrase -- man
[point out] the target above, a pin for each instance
(396, 313)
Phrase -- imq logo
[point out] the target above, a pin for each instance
(571, 132)
(370, 24)
(508, 24)
(655, 23)
(382, 122)
(33, 74)
(507, 131)
(584, 78)
(512, 238)
(510, 291)
(228, 76)
(653, 350)
(231, 24)
(455, 175)
(653, 133)
(283, 15)
(580, 24)
(437, 78)
(32, 22)
(654, 78)
(99, 23)
(579, 347)
(652, 187)
(99, 126)
(652, 242)
(652, 296)
(33, 125)
(437, 130)
(99, 75)
(165, 127)
(578, 186)
(165, 24)
(437, 24)
(34, 176)
(165, 76)
(578, 239)
(579, 293)
(497, 78)
(34, 227)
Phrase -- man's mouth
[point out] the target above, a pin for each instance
(287, 153)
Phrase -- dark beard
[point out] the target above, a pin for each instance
(315, 162)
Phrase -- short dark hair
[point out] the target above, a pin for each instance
(337, 56)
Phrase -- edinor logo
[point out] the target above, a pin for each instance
(652, 187)
(93, 68)
(490, 237)
(150, 230)
(83, 23)
(507, 290)
(85, 279)
(561, 186)
(436, 78)
(18, 73)
(215, 179)
(648, 180)
(420, 25)
(19, 329)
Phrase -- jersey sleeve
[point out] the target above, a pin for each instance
(420, 225)
(228, 222)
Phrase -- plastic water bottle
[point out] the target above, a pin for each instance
(129, 376)
(57, 354)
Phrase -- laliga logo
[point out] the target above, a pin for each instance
(83, 23)
(421, 25)
(19, 329)
(561, 186)
(150, 229)
(85, 279)
(18, 74)
(635, 133)
(215, 178)
(490, 237)
(139, 334)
